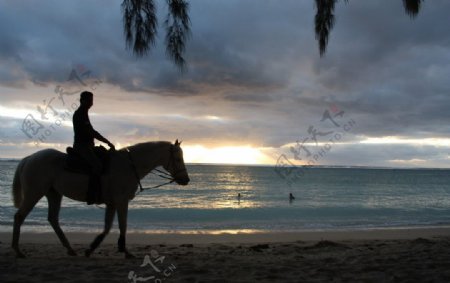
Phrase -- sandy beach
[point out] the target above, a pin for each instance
(396, 255)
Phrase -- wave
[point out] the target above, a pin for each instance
(272, 219)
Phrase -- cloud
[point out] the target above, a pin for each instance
(255, 66)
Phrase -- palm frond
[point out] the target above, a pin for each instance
(324, 22)
(412, 7)
(177, 31)
(140, 23)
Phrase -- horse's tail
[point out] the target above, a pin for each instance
(16, 187)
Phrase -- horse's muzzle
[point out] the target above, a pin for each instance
(182, 181)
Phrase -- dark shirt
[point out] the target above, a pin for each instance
(84, 132)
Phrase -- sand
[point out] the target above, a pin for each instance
(400, 255)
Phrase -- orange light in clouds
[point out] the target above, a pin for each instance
(224, 155)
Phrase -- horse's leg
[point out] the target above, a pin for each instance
(54, 204)
(122, 212)
(109, 218)
(25, 207)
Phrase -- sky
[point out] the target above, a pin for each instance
(255, 90)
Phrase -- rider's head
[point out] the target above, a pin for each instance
(87, 99)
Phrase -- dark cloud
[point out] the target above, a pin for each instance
(254, 65)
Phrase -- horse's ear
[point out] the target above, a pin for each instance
(176, 142)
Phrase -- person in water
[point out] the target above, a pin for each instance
(291, 197)
(84, 135)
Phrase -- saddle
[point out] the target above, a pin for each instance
(76, 164)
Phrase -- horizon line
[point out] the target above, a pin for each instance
(291, 166)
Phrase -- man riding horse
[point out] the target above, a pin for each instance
(84, 143)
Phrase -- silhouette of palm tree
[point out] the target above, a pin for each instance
(140, 27)
(412, 7)
(324, 22)
(324, 19)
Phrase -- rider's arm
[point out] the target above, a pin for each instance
(101, 138)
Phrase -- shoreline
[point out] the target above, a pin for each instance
(134, 237)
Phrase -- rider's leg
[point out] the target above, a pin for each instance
(94, 190)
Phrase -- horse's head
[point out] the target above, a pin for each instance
(176, 166)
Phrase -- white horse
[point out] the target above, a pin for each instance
(43, 174)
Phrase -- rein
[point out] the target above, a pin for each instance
(160, 173)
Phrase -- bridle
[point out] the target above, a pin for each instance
(162, 174)
(171, 161)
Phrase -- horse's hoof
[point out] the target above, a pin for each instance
(19, 254)
(71, 252)
(87, 253)
(129, 255)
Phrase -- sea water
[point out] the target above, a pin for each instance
(325, 199)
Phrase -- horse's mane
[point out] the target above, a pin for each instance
(145, 145)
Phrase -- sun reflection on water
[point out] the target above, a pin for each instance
(206, 191)
(207, 232)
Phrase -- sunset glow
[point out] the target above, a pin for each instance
(224, 155)
(254, 90)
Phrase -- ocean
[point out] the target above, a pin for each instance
(325, 199)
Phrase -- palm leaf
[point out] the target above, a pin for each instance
(177, 31)
(412, 7)
(140, 23)
(324, 22)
